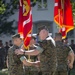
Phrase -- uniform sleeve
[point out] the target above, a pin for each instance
(23, 58)
(9, 56)
(39, 49)
(9, 52)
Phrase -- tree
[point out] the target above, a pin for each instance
(8, 9)
(2, 7)
(73, 9)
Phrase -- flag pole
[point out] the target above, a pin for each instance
(30, 39)
(29, 55)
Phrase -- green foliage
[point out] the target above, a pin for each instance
(6, 10)
(73, 5)
(10, 8)
(14, 4)
(73, 9)
(2, 7)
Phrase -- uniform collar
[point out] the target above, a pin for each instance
(42, 40)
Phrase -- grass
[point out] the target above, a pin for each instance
(4, 72)
(72, 72)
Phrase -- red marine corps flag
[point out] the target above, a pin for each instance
(63, 16)
(25, 21)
